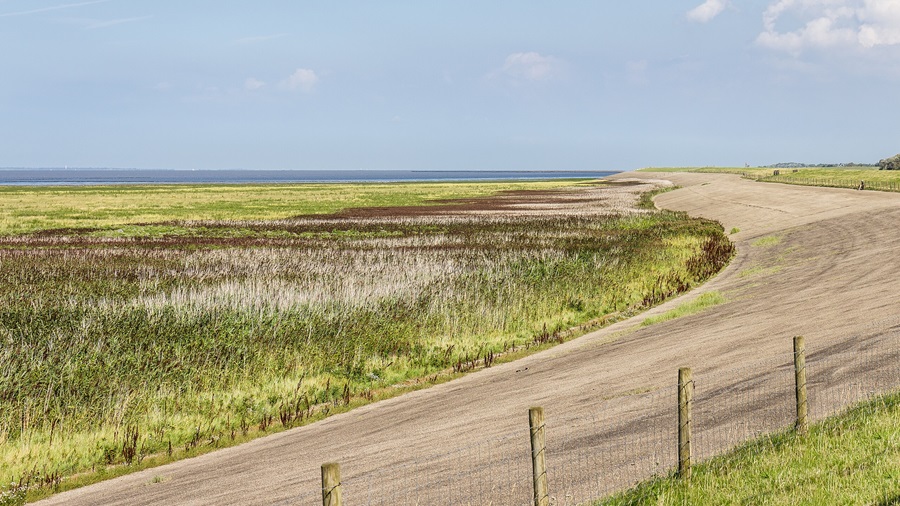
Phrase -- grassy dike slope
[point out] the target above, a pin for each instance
(832, 177)
(133, 344)
(853, 458)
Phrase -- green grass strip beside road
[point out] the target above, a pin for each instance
(832, 177)
(697, 305)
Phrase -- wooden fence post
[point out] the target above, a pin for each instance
(538, 464)
(685, 399)
(802, 425)
(331, 485)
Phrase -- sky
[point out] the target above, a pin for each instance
(447, 85)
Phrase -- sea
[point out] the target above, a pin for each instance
(83, 177)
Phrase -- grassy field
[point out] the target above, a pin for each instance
(853, 458)
(704, 301)
(27, 209)
(129, 346)
(836, 177)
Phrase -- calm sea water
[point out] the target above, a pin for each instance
(48, 177)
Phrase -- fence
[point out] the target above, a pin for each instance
(830, 182)
(560, 460)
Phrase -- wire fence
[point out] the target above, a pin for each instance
(502, 467)
(623, 441)
(786, 177)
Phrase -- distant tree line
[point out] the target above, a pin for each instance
(892, 163)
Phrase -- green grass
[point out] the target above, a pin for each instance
(702, 302)
(717, 170)
(834, 177)
(646, 199)
(853, 458)
(881, 180)
(127, 346)
(765, 242)
(27, 209)
(734, 230)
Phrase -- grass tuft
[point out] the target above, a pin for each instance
(765, 242)
(646, 199)
(704, 301)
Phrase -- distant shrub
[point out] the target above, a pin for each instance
(892, 163)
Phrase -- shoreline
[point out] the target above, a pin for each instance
(119, 177)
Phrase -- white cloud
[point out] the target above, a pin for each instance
(880, 23)
(706, 11)
(253, 84)
(304, 80)
(855, 24)
(530, 66)
(821, 32)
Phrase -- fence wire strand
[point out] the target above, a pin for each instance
(622, 441)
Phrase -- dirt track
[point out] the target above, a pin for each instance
(832, 273)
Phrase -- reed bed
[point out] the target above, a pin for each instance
(116, 349)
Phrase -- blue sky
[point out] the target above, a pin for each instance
(440, 85)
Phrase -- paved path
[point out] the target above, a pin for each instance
(833, 272)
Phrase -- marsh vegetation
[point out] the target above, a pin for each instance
(129, 344)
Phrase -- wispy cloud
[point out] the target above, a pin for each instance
(259, 38)
(636, 72)
(304, 80)
(253, 84)
(51, 8)
(528, 66)
(707, 11)
(114, 22)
